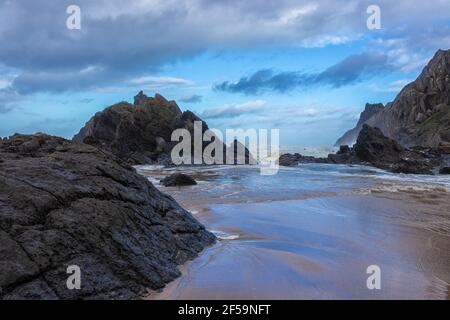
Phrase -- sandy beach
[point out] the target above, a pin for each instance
(291, 237)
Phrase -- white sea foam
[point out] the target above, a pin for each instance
(224, 236)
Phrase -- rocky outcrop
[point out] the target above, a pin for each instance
(375, 149)
(444, 170)
(69, 204)
(178, 179)
(385, 153)
(345, 155)
(140, 133)
(372, 146)
(349, 138)
(289, 160)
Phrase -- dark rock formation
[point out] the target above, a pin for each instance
(375, 149)
(349, 138)
(345, 154)
(444, 148)
(444, 170)
(382, 152)
(140, 133)
(372, 146)
(64, 203)
(289, 160)
(178, 179)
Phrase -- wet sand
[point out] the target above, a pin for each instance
(290, 245)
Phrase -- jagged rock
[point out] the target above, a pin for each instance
(444, 148)
(141, 133)
(344, 157)
(444, 170)
(344, 149)
(373, 148)
(349, 138)
(382, 152)
(178, 179)
(64, 203)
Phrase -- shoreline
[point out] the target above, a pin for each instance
(408, 232)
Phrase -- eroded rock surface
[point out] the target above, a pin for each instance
(64, 203)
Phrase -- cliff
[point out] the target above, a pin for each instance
(420, 114)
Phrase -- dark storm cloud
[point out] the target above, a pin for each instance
(126, 39)
(263, 80)
(353, 69)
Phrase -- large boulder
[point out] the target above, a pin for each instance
(178, 179)
(64, 203)
(444, 170)
(372, 146)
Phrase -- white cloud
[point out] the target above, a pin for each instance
(396, 86)
(5, 83)
(234, 110)
(163, 81)
(291, 15)
(393, 86)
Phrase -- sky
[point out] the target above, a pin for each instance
(306, 68)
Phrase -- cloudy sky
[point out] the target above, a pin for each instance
(305, 67)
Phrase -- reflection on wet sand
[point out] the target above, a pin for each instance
(311, 234)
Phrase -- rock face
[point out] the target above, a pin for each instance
(372, 146)
(420, 114)
(349, 138)
(64, 203)
(178, 179)
(140, 133)
(385, 153)
(444, 170)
